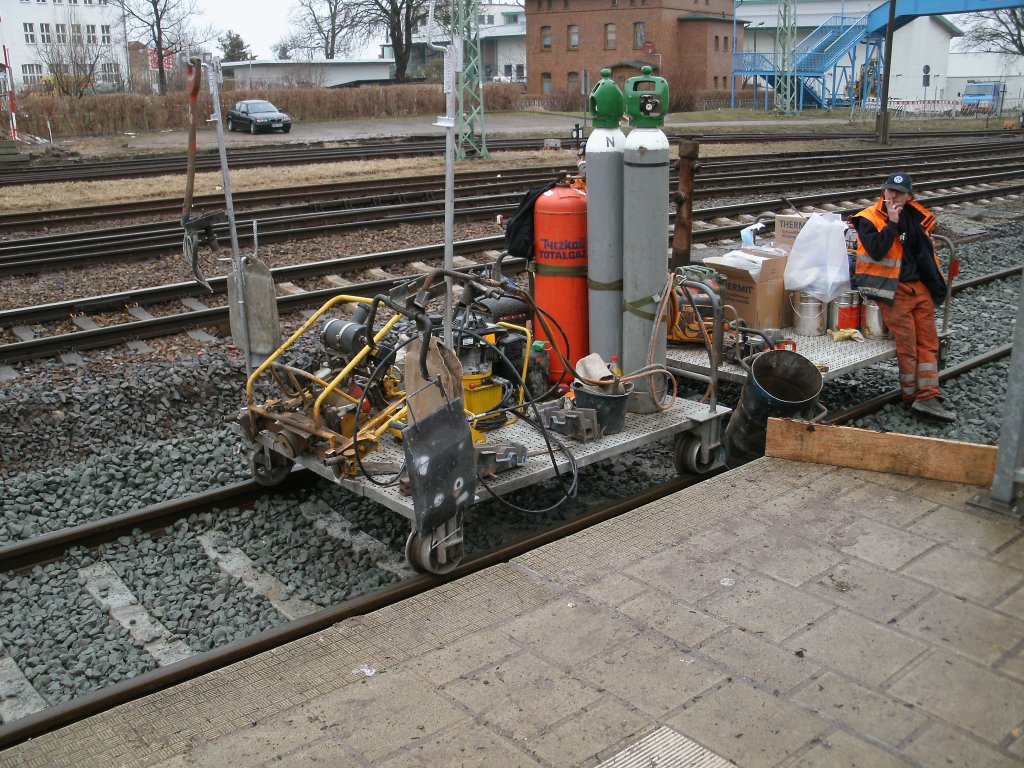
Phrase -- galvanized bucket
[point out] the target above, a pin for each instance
(844, 312)
(809, 314)
(871, 321)
(780, 383)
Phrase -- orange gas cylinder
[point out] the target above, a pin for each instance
(560, 272)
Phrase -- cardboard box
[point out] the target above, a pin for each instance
(786, 229)
(754, 285)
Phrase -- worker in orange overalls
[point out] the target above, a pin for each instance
(897, 266)
(580, 181)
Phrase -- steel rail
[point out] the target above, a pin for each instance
(51, 546)
(290, 155)
(152, 328)
(131, 244)
(52, 718)
(870, 406)
(393, 190)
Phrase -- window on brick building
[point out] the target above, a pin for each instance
(726, 48)
(572, 82)
(609, 37)
(545, 38)
(716, 42)
(574, 37)
(639, 34)
(545, 82)
(716, 82)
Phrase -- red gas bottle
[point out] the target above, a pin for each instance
(560, 273)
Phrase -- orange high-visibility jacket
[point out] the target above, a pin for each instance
(878, 278)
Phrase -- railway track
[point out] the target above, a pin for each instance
(717, 177)
(158, 311)
(297, 619)
(159, 165)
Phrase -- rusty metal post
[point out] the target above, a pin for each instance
(682, 233)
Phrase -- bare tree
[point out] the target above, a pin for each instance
(167, 26)
(340, 26)
(322, 28)
(999, 31)
(73, 54)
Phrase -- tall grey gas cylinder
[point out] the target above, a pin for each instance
(604, 240)
(645, 185)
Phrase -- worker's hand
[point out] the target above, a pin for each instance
(893, 210)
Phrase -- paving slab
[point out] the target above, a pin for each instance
(881, 628)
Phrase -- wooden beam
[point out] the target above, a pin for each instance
(891, 452)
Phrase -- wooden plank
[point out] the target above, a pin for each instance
(891, 452)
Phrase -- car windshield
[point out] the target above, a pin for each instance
(262, 106)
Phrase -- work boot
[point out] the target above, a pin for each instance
(932, 407)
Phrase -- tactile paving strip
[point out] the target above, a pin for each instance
(666, 747)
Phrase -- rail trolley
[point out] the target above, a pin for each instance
(376, 403)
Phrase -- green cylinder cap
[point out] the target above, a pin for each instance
(646, 99)
(538, 346)
(606, 102)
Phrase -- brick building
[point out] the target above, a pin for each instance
(688, 42)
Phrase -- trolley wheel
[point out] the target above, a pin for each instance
(440, 552)
(687, 456)
(268, 467)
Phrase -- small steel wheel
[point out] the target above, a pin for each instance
(440, 552)
(687, 456)
(269, 468)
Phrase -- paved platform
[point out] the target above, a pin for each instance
(781, 614)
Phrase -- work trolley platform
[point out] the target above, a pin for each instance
(833, 358)
(691, 423)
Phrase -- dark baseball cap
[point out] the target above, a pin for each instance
(899, 181)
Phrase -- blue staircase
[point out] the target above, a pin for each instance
(826, 60)
(823, 62)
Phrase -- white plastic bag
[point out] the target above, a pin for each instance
(818, 264)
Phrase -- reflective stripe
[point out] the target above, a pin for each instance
(928, 367)
(908, 390)
(927, 381)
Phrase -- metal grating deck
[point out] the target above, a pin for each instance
(840, 357)
(641, 429)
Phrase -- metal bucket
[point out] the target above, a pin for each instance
(780, 383)
(871, 321)
(611, 409)
(809, 314)
(844, 312)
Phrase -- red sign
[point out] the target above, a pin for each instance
(648, 47)
(168, 59)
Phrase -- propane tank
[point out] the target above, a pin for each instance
(645, 250)
(604, 217)
(560, 272)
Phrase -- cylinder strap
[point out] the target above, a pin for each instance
(633, 307)
(555, 270)
(594, 285)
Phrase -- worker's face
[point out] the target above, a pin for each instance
(895, 198)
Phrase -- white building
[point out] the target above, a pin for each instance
(319, 73)
(502, 42)
(84, 37)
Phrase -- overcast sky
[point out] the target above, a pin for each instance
(261, 23)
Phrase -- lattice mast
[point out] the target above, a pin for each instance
(472, 135)
(786, 81)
